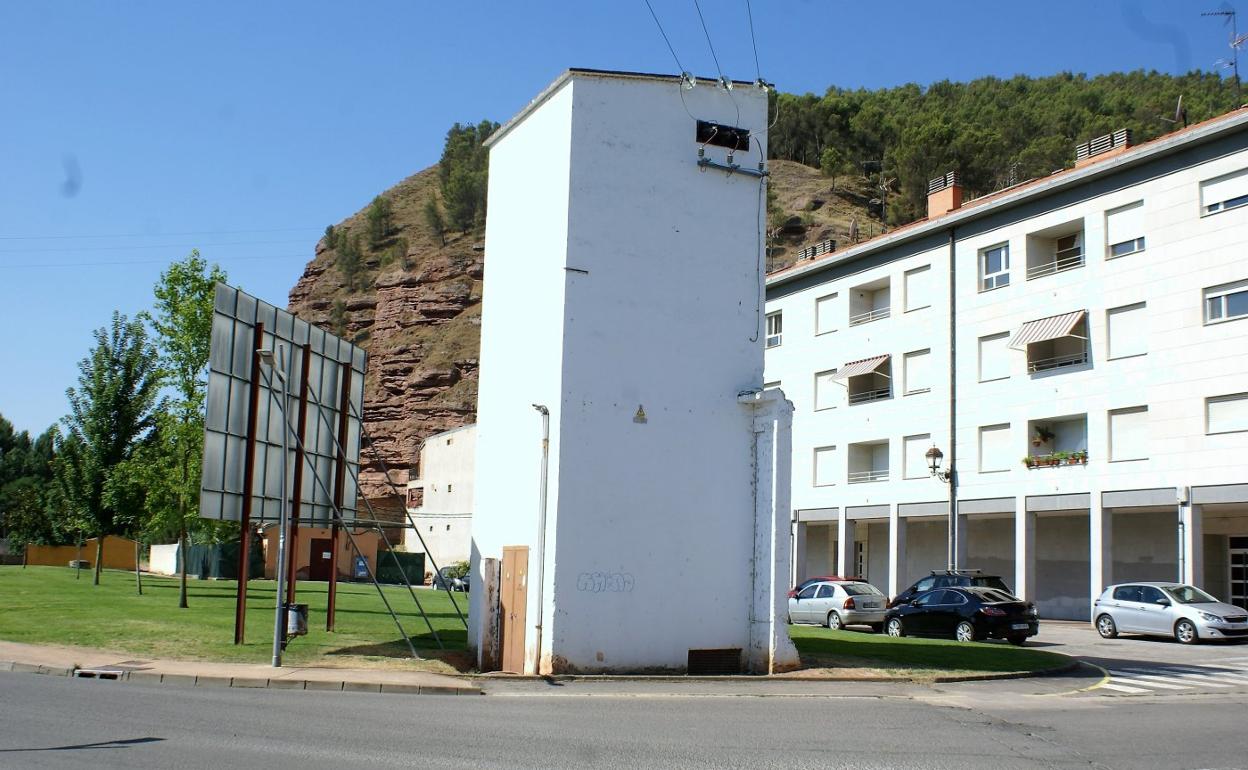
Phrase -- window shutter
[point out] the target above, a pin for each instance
(1227, 413)
(1124, 224)
(1128, 434)
(994, 448)
(914, 449)
(918, 378)
(825, 466)
(918, 287)
(1128, 331)
(1224, 188)
(994, 360)
(825, 314)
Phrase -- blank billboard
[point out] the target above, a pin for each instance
(235, 315)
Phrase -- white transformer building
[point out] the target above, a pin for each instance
(624, 312)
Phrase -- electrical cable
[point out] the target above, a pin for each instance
(115, 263)
(59, 249)
(758, 72)
(152, 235)
(723, 81)
(655, 16)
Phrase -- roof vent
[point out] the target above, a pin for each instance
(1108, 144)
(944, 194)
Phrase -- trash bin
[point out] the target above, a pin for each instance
(296, 620)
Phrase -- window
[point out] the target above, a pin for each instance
(994, 448)
(918, 286)
(825, 390)
(929, 599)
(1128, 434)
(1055, 249)
(925, 584)
(825, 466)
(994, 357)
(1128, 331)
(1127, 594)
(994, 267)
(1225, 192)
(868, 461)
(1124, 230)
(825, 592)
(1226, 302)
(808, 592)
(1151, 595)
(916, 371)
(915, 460)
(825, 314)
(775, 324)
(1226, 414)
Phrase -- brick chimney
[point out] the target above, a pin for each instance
(944, 194)
(1102, 147)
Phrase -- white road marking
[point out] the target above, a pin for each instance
(1124, 688)
(1136, 679)
(1161, 676)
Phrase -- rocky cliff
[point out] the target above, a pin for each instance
(416, 308)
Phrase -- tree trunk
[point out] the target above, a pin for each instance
(182, 549)
(138, 573)
(182, 603)
(99, 557)
(78, 561)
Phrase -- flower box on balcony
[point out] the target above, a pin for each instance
(1056, 458)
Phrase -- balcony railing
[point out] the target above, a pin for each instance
(862, 477)
(1062, 261)
(867, 317)
(870, 395)
(1057, 362)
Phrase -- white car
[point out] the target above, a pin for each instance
(1167, 609)
(839, 603)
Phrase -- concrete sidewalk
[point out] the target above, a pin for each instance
(77, 661)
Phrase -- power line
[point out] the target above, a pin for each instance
(146, 262)
(655, 16)
(153, 235)
(710, 45)
(152, 246)
(758, 71)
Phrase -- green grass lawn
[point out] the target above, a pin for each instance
(912, 656)
(47, 605)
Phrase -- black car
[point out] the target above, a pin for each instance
(965, 614)
(955, 578)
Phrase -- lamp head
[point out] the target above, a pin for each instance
(934, 456)
(266, 357)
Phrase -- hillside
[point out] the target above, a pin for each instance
(417, 314)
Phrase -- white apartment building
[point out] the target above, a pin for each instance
(1077, 348)
(440, 499)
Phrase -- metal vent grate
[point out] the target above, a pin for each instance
(715, 662)
(950, 179)
(1093, 147)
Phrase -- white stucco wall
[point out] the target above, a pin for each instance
(655, 297)
(447, 470)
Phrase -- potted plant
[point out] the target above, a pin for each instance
(1078, 458)
(1029, 461)
(1043, 436)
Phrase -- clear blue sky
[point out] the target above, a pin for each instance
(131, 132)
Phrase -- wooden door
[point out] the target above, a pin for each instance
(512, 605)
(321, 559)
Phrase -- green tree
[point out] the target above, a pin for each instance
(350, 261)
(331, 237)
(110, 413)
(181, 320)
(378, 218)
(434, 220)
(338, 318)
(462, 174)
(25, 473)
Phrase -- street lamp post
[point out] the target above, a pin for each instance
(934, 457)
(278, 367)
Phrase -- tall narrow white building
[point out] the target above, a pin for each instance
(1075, 346)
(622, 336)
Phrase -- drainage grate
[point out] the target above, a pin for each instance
(96, 673)
(715, 662)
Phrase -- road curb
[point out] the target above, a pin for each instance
(242, 682)
(1070, 665)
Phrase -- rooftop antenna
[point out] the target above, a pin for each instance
(1237, 41)
(1180, 114)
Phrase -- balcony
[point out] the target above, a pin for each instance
(1057, 362)
(865, 396)
(1054, 459)
(869, 316)
(1055, 250)
(1056, 441)
(869, 302)
(868, 462)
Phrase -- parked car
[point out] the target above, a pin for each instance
(839, 603)
(811, 581)
(946, 578)
(1167, 609)
(966, 614)
(443, 579)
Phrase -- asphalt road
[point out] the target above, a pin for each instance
(66, 723)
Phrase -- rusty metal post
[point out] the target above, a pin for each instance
(296, 489)
(249, 472)
(340, 479)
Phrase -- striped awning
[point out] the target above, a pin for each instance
(1044, 329)
(855, 368)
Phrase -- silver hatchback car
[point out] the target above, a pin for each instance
(839, 603)
(1167, 609)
